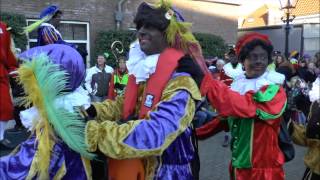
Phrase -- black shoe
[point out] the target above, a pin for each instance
(16, 129)
(6, 144)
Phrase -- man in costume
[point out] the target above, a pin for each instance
(50, 18)
(8, 64)
(253, 107)
(149, 128)
(51, 78)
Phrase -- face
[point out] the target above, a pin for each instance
(302, 64)
(278, 59)
(256, 62)
(311, 66)
(101, 61)
(122, 66)
(151, 40)
(220, 66)
(55, 21)
(233, 59)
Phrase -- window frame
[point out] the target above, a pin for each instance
(69, 41)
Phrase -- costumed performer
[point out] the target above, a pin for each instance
(51, 77)
(147, 132)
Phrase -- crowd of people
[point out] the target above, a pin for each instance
(141, 120)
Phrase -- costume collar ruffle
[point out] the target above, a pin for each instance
(243, 85)
(141, 65)
(233, 72)
(79, 97)
(50, 25)
(314, 93)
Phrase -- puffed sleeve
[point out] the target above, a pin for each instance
(109, 109)
(266, 104)
(145, 137)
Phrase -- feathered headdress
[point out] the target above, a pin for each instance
(178, 33)
(45, 80)
(45, 15)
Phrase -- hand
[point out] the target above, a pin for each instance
(186, 64)
(88, 114)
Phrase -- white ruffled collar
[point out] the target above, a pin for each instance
(79, 97)
(314, 93)
(139, 64)
(233, 72)
(243, 85)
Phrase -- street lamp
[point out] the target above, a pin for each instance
(287, 5)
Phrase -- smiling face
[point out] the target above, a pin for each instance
(256, 62)
(151, 40)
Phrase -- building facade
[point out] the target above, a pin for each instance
(83, 19)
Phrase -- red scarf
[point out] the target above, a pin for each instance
(167, 63)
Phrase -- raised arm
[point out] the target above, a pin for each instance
(268, 103)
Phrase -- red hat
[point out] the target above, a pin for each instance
(248, 38)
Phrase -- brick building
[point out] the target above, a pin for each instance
(83, 19)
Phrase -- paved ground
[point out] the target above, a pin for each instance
(215, 160)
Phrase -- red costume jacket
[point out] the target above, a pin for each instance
(8, 63)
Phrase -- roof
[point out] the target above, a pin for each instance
(307, 7)
(257, 18)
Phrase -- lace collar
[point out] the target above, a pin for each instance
(243, 85)
(139, 64)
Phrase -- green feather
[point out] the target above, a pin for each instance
(35, 25)
(51, 83)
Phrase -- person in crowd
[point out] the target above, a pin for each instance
(8, 65)
(254, 106)
(98, 80)
(150, 127)
(317, 63)
(306, 57)
(232, 69)
(284, 67)
(309, 136)
(120, 79)
(294, 58)
(219, 64)
(304, 73)
(51, 77)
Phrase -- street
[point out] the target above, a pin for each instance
(215, 160)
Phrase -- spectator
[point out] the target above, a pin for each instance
(98, 79)
(304, 73)
(120, 79)
(309, 136)
(284, 67)
(317, 63)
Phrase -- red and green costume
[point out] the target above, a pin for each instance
(253, 118)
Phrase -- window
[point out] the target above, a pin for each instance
(74, 32)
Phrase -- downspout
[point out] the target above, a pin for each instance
(119, 14)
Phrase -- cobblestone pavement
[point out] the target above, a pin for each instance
(215, 160)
